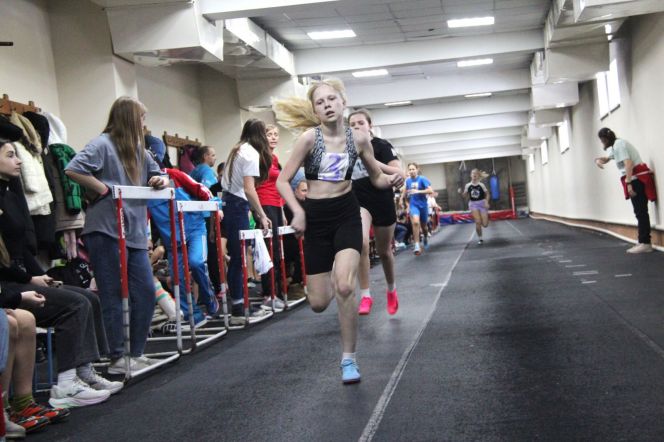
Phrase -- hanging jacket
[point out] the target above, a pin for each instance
(64, 220)
(72, 190)
(646, 176)
(184, 159)
(37, 192)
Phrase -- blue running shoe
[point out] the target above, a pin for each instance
(350, 374)
(212, 305)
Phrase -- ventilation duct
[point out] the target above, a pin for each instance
(551, 96)
(164, 34)
(250, 52)
(600, 10)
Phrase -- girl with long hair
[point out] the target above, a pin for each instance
(117, 157)
(248, 164)
(377, 209)
(330, 219)
(417, 188)
(272, 204)
(478, 201)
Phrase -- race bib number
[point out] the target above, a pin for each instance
(333, 167)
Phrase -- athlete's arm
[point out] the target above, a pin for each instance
(377, 177)
(392, 167)
(465, 191)
(302, 146)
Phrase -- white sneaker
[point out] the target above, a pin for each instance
(145, 360)
(640, 248)
(12, 430)
(76, 394)
(279, 305)
(99, 383)
(118, 367)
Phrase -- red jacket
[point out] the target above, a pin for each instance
(191, 186)
(645, 175)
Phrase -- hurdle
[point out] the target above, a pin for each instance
(200, 206)
(244, 236)
(120, 193)
(288, 230)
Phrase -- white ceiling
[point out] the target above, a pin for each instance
(411, 39)
(376, 21)
(379, 23)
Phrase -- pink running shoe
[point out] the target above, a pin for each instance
(365, 305)
(392, 302)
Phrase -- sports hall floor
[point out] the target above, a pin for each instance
(545, 332)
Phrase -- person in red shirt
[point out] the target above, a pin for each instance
(272, 204)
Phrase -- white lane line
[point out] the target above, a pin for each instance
(573, 266)
(565, 260)
(514, 227)
(556, 256)
(384, 400)
(624, 275)
(588, 282)
(586, 272)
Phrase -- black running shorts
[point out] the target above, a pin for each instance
(333, 224)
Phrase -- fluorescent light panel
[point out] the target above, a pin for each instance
(399, 103)
(475, 62)
(329, 35)
(483, 94)
(370, 73)
(468, 22)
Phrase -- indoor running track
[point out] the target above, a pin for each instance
(545, 332)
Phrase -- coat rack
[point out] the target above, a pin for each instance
(7, 106)
(176, 141)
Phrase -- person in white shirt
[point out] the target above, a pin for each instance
(248, 164)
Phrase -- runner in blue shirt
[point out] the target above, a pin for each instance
(417, 188)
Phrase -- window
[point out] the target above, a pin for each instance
(613, 84)
(544, 149)
(531, 163)
(608, 89)
(563, 135)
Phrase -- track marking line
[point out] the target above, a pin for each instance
(588, 282)
(586, 272)
(384, 400)
(572, 266)
(514, 227)
(565, 260)
(624, 275)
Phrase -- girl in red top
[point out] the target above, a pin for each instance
(272, 204)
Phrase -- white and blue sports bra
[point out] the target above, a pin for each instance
(329, 166)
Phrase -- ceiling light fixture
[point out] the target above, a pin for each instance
(475, 62)
(468, 22)
(329, 35)
(483, 94)
(399, 103)
(371, 73)
(608, 28)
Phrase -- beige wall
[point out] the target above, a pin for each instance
(172, 96)
(28, 68)
(86, 79)
(220, 111)
(435, 173)
(570, 185)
